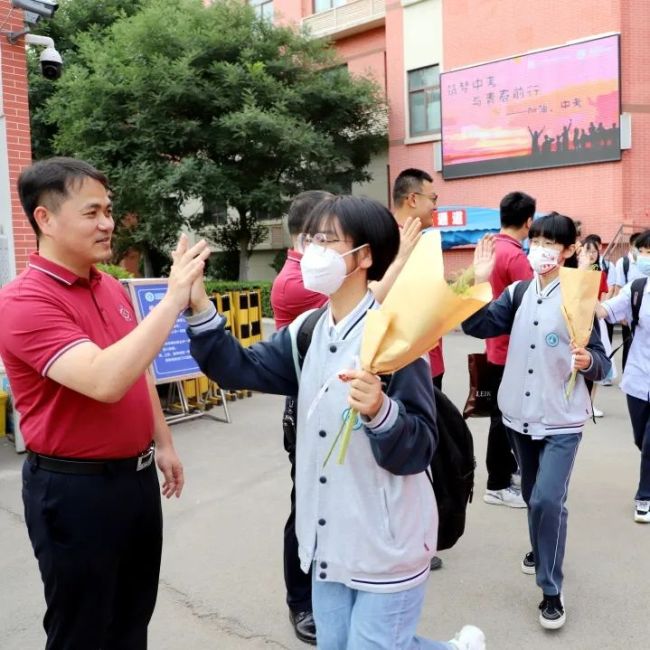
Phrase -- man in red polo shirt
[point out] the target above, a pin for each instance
(511, 264)
(77, 362)
(289, 299)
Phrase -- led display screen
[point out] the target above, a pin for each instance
(550, 108)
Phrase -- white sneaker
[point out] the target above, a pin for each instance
(642, 512)
(469, 638)
(509, 496)
(598, 413)
(515, 480)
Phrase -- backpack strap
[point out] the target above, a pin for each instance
(305, 333)
(638, 287)
(604, 264)
(626, 267)
(518, 293)
(636, 296)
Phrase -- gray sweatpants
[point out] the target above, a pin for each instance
(546, 467)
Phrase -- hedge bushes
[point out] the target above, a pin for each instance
(117, 272)
(221, 286)
(211, 286)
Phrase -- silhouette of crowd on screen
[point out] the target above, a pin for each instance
(574, 140)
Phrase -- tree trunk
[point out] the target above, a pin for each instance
(147, 266)
(243, 259)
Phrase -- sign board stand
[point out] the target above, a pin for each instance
(174, 362)
(189, 413)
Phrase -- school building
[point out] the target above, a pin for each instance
(406, 45)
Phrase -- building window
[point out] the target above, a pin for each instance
(326, 5)
(424, 101)
(263, 8)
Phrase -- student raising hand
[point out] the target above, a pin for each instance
(409, 236)
(484, 257)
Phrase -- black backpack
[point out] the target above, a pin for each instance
(453, 464)
(636, 298)
(518, 293)
(452, 470)
(637, 289)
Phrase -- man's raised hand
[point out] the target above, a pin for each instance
(187, 268)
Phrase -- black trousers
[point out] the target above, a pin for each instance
(298, 583)
(499, 459)
(98, 541)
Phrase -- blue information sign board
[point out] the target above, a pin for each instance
(174, 362)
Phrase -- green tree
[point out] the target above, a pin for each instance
(182, 102)
(72, 19)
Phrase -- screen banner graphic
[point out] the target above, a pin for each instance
(550, 108)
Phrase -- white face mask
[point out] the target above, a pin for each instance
(323, 269)
(543, 260)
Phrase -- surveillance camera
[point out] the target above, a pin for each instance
(42, 8)
(51, 60)
(51, 63)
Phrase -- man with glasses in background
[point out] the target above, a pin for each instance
(414, 201)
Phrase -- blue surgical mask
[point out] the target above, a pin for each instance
(643, 264)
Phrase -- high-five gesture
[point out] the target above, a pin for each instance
(484, 258)
(188, 267)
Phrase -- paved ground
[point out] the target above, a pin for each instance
(221, 583)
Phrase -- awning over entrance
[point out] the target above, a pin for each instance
(464, 225)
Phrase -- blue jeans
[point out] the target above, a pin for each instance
(348, 619)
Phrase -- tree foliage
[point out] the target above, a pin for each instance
(181, 102)
(73, 18)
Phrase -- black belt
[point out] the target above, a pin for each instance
(92, 467)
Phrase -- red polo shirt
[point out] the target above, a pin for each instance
(289, 298)
(437, 360)
(511, 264)
(44, 312)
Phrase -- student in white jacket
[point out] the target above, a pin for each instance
(544, 424)
(368, 527)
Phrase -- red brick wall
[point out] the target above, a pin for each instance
(635, 63)
(365, 54)
(16, 109)
(592, 193)
(603, 196)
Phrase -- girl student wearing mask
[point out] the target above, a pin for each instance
(636, 374)
(368, 527)
(544, 424)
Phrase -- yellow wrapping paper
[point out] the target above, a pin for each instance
(418, 311)
(579, 299)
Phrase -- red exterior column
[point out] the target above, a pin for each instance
(14, 106)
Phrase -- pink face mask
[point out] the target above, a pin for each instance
(543, 260)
